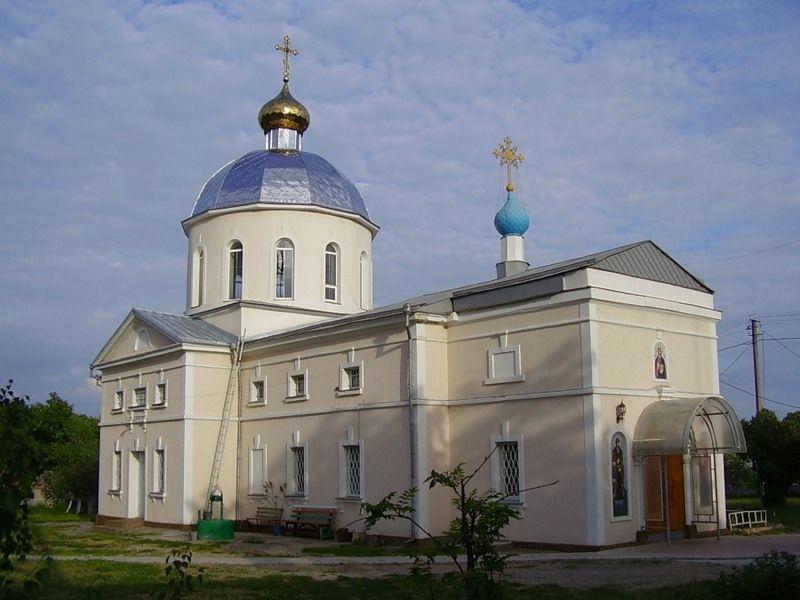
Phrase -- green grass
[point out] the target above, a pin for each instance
(55, 514)
(89, 580)
(788, 516)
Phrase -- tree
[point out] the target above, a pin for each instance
(73, 458)
(482, 516)
(739, 475)
(774, 446)
(22, 460)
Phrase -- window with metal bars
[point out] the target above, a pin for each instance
(298, 385)
(352, 470)
(298, 458)
(508, 463)
(352, 378)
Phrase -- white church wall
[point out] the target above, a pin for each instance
(626, 343)
(548, 345)
(552, 436)
(374, 415)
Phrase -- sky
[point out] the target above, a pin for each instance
(670, 121)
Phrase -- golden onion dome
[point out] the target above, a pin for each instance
(284, 112)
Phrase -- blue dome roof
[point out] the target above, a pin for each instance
(511, 219)
(299, 178)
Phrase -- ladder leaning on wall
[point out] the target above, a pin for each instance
(233, 385)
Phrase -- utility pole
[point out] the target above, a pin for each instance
(754, 323)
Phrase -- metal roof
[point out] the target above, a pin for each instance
(185, 330)
(270, 177)
(647, 261)
(644, 260)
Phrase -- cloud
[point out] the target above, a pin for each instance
(673, 122)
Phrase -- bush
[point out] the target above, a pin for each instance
(774, 576)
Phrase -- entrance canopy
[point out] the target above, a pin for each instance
(683, 425)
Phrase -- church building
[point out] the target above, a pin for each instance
(599, 373)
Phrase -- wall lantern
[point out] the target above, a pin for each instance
(621, 409)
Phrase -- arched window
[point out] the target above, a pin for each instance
(235, 271)
(331, 273)
(284, 269)
(199, 278)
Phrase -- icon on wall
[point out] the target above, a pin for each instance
(660, 362)
(618, 486)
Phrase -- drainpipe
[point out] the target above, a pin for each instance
(412, 416)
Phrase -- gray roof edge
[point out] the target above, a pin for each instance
(699, 285)
(199, 331)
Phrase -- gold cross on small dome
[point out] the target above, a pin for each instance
(287, 50)
(509, 156)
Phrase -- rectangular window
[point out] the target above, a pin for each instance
(139, 397)
(161, 395)
(351, 380)
(508, 458)
(258, 391)
(116, 471)
(508, 473)
(297, 384)
(119, 397)
(351, 470)
(159, 471)
(703, 485)
(298, 474)
(352, 377)
(258, 471)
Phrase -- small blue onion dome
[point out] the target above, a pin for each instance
(511, 219)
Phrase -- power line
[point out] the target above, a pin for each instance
(734, 346)
(749, 393)
(784, 345)
(749, 254)
(734, 362)
(772, 339)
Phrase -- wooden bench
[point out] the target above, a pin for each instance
(266, 515)
(319, 518)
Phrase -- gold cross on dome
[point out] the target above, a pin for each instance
(509, 155)
(287, 50)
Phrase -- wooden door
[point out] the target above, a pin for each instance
(660, 498)
(677, 504)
